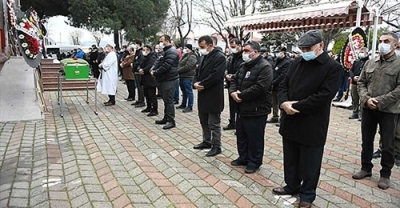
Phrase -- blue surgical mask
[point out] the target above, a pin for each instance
(308, 56)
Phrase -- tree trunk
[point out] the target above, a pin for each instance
(116, 38)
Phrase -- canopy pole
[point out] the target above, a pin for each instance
(374, 38)
(5, 12)
(360, 5)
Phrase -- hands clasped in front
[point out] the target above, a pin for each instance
(198, 86)
(288, 107)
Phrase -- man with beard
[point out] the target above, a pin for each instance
(166, 73)
(109, 76)
(355, 72)
(234, 62)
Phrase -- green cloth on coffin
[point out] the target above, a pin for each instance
(75, 69)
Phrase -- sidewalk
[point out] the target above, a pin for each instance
(120, 158)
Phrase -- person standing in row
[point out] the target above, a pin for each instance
(250, 89)
(233, 64)
(305, 96)
(149, 83)
(138, 77)
(186, 70)
(127, 74)
(379, 89)
(209, 82)
(166, 73)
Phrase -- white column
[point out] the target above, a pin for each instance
(5, 13)
(360, 4)
(374, 38)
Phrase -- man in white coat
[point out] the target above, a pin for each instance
(108, 82)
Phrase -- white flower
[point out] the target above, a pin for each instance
(34, 56)
(24, 45)
(21, 36)
(31, 56)
(27, 52)
(21, 24)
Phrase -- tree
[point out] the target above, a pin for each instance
(182, 18)
(390, 11)
(217, 12)
(97, 37)
(76, 36)
(46, 7)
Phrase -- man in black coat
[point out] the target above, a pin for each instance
(250, 89)
(355, 72)
(280, 69)
(234, 62)
(93, 62)
(209, 82)
(149, 83)
(166, 73)
(138, 77)
(305, 97)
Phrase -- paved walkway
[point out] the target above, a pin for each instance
(120, 158)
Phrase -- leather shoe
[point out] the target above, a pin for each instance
(361, 174)
(384, 183)
(180, 107)
(304, 204)
(202, 145)
(213, 152)
(377, 154)
(109, 103)
(353, 116)
(152, 113)
(238, 162)
(147, 110)
(187, 110)
(163, 121)
(273, 120)
(250, 170)
(280, 191)
(140, 105)
(169, 125)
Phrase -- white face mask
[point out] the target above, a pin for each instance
(385, 48)
(144, 53)
(234, 50)
(362, 55)
(203, 51)
(161, 44)
(246, 57)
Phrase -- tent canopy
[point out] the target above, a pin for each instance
(329, 15)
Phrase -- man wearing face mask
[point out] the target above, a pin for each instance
(186, 70)
(149, 83)
(138, 77)
(209, 82)
(355, 72)
(250, 89)
(379, 89)
(234, 62)
(166, 73)
(281, 67)
(305, 97)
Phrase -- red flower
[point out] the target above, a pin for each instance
(27, 25)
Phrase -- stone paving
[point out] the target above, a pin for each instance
(120, 158)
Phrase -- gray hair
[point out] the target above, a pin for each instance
(395, 37)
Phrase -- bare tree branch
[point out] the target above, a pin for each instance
(76, 36)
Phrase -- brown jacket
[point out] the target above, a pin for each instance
(380, 79)
(127, 73)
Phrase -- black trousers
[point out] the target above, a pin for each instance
(130, 84)
(111, 98)
(250, 133)
(232, 110)
(387, 125)
(140, 89)
(302, 167)
(151, 98)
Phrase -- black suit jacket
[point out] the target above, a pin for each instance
(210, 73)
(313, 84)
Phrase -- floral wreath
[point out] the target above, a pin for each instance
(27, 37)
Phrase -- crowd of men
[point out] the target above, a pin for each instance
(299, 89)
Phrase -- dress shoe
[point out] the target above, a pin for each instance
(202, 145)
(109, 103)
(180, 107)
(273, 120)
(304, 204)
(278, 124)
(106, 102)
(129, 99)
(230, 126)
(152, 113)
(238, 162)
(353, 116)
(163, 121)
(136, 103)
(140, 105)
(213, 152)
(377, 154)
(250, 170)
(169, 125)
(187, 110)
(280, 191)
(361, 174)
(147, 110)
(384, 183)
